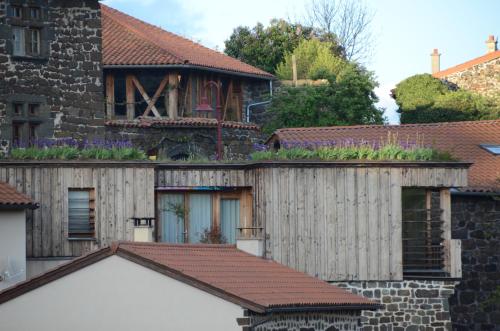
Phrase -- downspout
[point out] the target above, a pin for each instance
(247, 114)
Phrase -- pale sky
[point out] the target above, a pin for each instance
(405, 32)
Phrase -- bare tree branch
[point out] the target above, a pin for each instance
(348, 20)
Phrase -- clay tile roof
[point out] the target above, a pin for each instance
(254, 283)
(130, 41)
(466, 65)
(11, 198)
(461, 139)
(188, 122)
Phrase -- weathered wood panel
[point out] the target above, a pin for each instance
(338, 222)
(120, 192)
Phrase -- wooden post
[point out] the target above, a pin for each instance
(173, 95)
(130, 91)
(110, 96)
(445, 205)
(294, 70)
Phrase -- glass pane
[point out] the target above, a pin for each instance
(200, 216)
(79, 212)
(171, 209)
(230, 218)
(18, 40)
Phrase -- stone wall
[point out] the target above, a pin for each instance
(476, 221)
(313, 321)
(65, 79)
(483, 78)
(412, 305)
(256, 91)
(174, 142)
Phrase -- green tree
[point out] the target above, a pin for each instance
(315, 60)
(265, 47)
(425, 99)
(346, 100)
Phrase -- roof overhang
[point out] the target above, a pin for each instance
(187, 66)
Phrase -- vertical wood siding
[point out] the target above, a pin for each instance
(336, 223)
(120, 193)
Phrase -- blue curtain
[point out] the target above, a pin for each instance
(230, 218)
(200, 215)
(171, 225)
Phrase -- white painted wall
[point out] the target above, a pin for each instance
(116, 294)
(12, 247)
(36, 266)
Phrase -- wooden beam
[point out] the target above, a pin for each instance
(228, 98)
(445, 205)
(145, 96)
(157, 94)
(130, 96)
(110, 96)
(173, 95)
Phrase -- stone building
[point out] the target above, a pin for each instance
(81, 69)
(475, 219)
(481, 75)
(50, 70)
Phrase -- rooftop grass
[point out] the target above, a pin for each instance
(70, 149)
(389, 149)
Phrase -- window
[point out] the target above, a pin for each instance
(201, 216)
(33, 41)
(18, 41)
(17, 11)
(81, 213)
(35, 13)
(17, 129)
(493, 149)
(17, 109)
(32, 133)
(33, 109)
(423, 249)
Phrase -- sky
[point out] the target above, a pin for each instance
(405, 32)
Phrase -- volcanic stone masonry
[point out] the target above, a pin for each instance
(476, 221)
(64, 79)
(412, 305)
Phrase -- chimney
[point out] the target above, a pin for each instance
(143, 229)
(435, 61)
(491, 44)
(251, 240)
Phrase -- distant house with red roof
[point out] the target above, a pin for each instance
(481, 74)
(151, 286)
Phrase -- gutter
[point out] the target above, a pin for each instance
(187, 66)
(299, 309)
(477, 194)
(247, 114)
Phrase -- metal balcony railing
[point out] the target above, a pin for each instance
(423, 249)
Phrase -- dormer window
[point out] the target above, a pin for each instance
(493, 149)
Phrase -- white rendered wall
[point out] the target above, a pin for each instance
(12, 247)
(116, 294)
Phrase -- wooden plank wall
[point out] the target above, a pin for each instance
(121, 193)
(336, 223)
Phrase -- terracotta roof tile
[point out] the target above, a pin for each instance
(263, 282)
(10, 197)
(130, 41)
(463, 66)
(181, 122)
(461, 139)
(253, 282)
